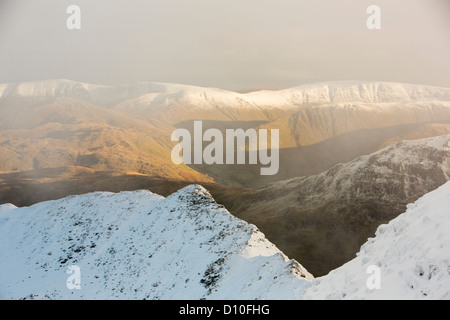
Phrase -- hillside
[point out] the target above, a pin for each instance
(346, 165)
(322, 220)
(139, 245)
(411, 253)
(56, 123)
(69, 132)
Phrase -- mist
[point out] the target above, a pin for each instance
(235, 45)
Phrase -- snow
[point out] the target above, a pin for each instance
(338, 94)
(412, 252)
(402, 153)
(421, 163)
(410, 167)
(139, 245)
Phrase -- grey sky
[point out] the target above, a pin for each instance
(232, 44)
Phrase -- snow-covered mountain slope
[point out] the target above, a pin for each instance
(148, 92)
(412, 253)
(325, 218)
(139, 245)
(319, 124)
(316, 93)
(350, 91)
(305, 115)
(402, 170)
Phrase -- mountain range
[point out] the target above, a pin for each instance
(410, 254)
(352, 153)
(139, 245)
(127, 128)
(322, 220)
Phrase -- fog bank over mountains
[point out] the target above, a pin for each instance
(229, 44)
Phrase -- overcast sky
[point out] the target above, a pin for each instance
(239, 45)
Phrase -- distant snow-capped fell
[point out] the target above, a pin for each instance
(155, 92)
(399, 171)
(139, 245)
(305, 115)
(411, 252)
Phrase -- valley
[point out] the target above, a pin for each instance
(339, 176)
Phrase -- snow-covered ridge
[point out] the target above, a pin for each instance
(408, 167)
(41, 91)
(422, 154)
(139, 245)
(351, 91)
(412, 253)
(163, 93)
